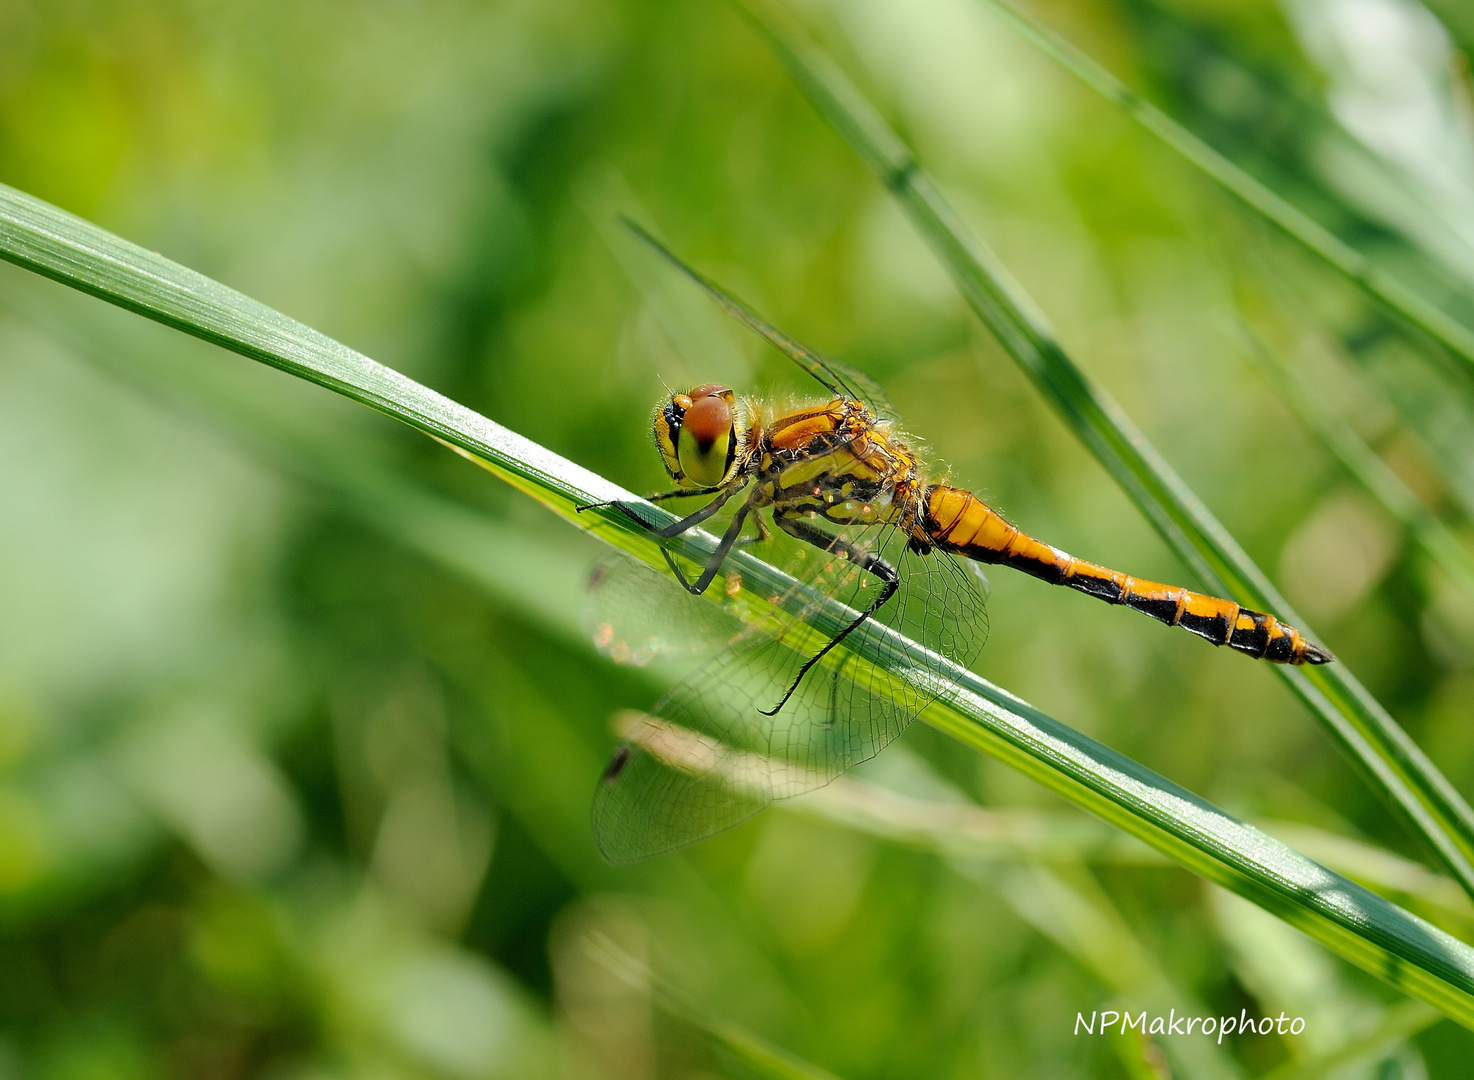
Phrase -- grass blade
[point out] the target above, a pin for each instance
(1387, 756)
(1378, 936)
(1382, 287)
(58, 245)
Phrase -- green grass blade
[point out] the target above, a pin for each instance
(1412, 955)
(1388, 757)
(1186, 829)
(1434, 537)
(1381, 286)
(58, 245)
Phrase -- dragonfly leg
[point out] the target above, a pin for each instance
(762, 533)
(675, 528)
(800, 529)
(719, 556)
(659, 496)
(690, 521)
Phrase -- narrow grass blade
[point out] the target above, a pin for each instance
(1400, 948)
(759, 1054)
(58, 245)
(1378, 284)
(1434, 537)
(1388, 757)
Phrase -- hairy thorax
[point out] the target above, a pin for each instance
(834, 460)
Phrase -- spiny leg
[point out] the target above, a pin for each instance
(659, 496)
(690, 521)
(795, 525)
(675, 528)
(719, 556)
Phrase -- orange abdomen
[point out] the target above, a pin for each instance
(957, 521)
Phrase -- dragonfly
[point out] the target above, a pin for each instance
(862, 522)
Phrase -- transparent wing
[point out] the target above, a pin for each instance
(637, 616)
(839, 378)
(707, 755)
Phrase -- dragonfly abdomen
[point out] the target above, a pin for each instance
(960, 522)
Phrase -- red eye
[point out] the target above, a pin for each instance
(708, 420)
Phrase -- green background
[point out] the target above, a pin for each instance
(298, 722)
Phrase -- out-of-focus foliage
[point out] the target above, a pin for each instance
(298, 729)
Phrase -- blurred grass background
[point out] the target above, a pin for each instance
(298, 728)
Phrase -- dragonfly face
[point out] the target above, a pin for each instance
(886, 559)
(700, 436)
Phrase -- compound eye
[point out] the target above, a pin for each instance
(706, 441)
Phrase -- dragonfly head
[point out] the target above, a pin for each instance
(699, 435)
